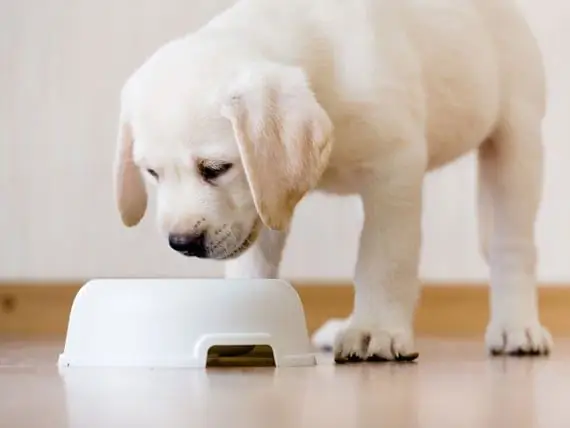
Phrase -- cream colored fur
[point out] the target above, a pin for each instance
(348, 97)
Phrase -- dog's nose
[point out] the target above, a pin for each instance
(193, 245)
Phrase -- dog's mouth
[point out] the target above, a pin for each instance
(244, 246)
(220, 250)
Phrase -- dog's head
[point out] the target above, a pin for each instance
(228, 145)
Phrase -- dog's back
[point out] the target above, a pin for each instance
(449, 66)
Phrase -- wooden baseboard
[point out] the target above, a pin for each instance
(460, 311)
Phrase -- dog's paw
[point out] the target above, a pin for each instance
(518, 340)
(362, 342)
(323, 339)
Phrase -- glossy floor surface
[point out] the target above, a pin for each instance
(453, 384)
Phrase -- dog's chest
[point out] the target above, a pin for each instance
(342, 180)
(358, 151)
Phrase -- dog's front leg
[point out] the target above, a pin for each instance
(386, 277)
(262, 259)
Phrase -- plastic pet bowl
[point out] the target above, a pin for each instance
(176, 322)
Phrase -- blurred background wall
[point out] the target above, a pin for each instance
(62, 64)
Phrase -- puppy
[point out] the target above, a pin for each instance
(235, 123)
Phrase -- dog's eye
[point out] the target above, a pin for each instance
(153, 173)
(212, 171)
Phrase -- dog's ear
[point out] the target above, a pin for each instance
(130, 190)
(284, 138)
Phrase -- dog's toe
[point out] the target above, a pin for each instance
(525, 340)
(369, 343)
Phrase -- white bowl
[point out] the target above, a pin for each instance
(174, 322)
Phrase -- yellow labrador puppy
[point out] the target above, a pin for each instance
(272, 99)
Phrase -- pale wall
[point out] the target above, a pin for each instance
(62, 64)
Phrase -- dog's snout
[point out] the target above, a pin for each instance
(193, 245)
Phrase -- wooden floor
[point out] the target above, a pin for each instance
(453, 384)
